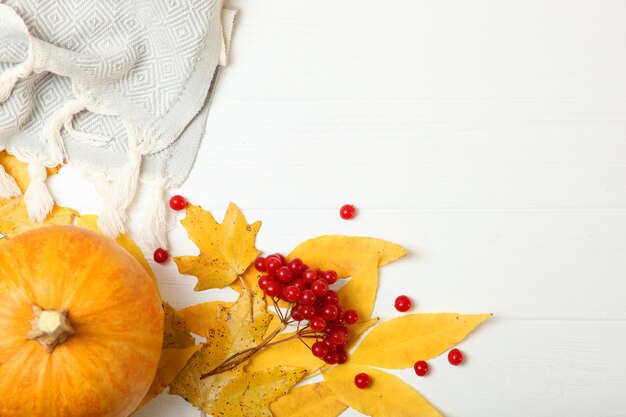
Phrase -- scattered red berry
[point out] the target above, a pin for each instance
(347, 211)
(403, 303)
(330, 277)
(362, 380)
(307, 298)
(160, 256)
(284, 275)
(350, 316)
(319, 287)
(273, 288)
(259, 264)
(319, 349)
(317, 323)
(455, 357)
(178, 202)
(421, 368)
(329, 312)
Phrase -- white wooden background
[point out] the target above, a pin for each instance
(488, 137)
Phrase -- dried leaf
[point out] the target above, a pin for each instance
(13, 215)
(201, 318)
(387, 396)
(90, 221)
(226, 249)
(171, 363)
(400, 342)
(177, 334)
(239, 394)
(309, 400)
(356, 257)
(291, 353)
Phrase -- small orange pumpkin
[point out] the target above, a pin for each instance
(81, 326)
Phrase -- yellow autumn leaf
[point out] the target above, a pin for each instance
(312, 400)
(171, 363)
(398, 343)
(13, 215)
(200, 318)
(226, 249)
(90, 221)
(387, 396)
(355, 257)
(176, 334)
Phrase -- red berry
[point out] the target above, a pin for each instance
(317, 323)
(338, 337)
(281, 257)
(362, 380)
(284, 275)
(330, 297)
(263, 281)
(259, 264)
(295, 266)
(307, 297)
(273, 288)
(319, 287)
(347, 211)
(272, 264)
(331, 358)
(403, 303)
(351, 316)
(329, 312)
(343, 356)
(421, 368)
(455, 357)
(307, 312)
(329, 342)
(309, 275)
(330, 277)
(160, 255)
(296, 315)
(319, 349)
(178, 202)
(292, 293)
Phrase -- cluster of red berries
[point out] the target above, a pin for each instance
(312, 304)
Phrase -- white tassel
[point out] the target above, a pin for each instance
(51, 133)
(8, 186)
(10, 76)
(37, 197)
(154, 229)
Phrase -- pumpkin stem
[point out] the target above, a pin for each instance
(50, 328)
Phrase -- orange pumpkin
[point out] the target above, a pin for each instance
(81, 326)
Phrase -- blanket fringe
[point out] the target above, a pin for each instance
(154, 228)
(8, 186)
(10, 76)
(39, 202)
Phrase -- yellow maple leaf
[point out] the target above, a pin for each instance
(308, 400)
(201, 318)
(226, 249)
(13, 215)
(355, 257)
(387, 396)
(398, 343)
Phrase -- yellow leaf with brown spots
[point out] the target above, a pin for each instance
(13, 215)
(226, 249)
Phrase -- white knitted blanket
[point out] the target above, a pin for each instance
(117, 87)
